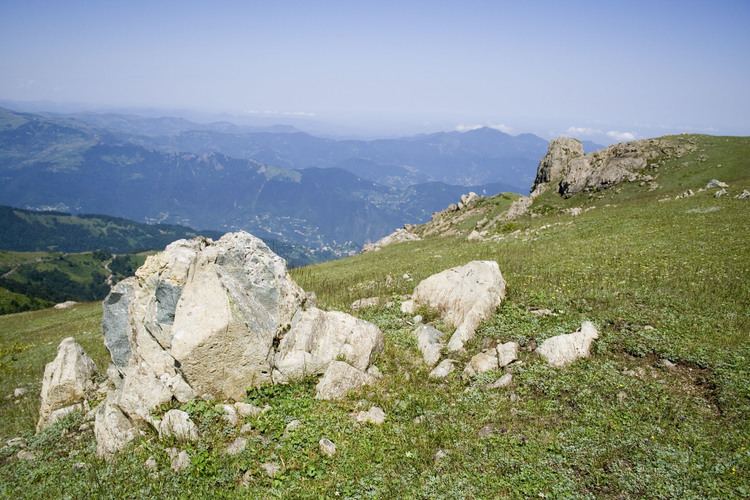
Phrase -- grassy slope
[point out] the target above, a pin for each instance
(592, 429)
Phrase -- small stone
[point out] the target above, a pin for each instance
(237, 446)
(503, 381)
(150, 463)
(418, 419)
(248, 410)
(408, 307)
(621, 396)
(177, 424)
(417, 319)
(246, 429)
(365, 303)
(542, 312)
(16, 442)
(292, 426)
(430, 343)
(230, 414)
(374, 371)
(665, 363)
(648, 328)
(407, 277)
(486, 431)
(25, 455)
(327, 447)
(84, 427)
(507, 353)
(271, 468)
(65, 305)
(443, 369)
(439, 455)
(514, 397)
(80, 465)
(744, 195)
(482, 362)
(180, 460)
(720, 193)
(19, 392)
(374, 415)
(715, 183)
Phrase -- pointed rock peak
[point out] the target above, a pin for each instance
(559, 153)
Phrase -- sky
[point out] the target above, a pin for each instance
(602, 70)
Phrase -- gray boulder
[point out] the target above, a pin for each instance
(67, 384)
(430, 343)
(340, 378)
(507, 353)
(213, 318)
(443, 369)
(177, 424)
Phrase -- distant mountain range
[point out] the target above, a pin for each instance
(276, 182)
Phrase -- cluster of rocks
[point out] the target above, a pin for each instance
(568, 170)
(720, 189)
(444, 221)
(211, 319)
(207, 319)
(467, 295)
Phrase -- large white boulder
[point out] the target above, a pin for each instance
(214, 318)
(464, 296)
(68, 381)
(564, 349)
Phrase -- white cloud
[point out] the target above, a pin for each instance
(580, 131)
(621, 136)
(463, 127)
(274, 112)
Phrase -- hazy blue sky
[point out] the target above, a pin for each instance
(386, 67)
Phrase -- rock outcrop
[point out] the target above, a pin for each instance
(67, 384)
(568, 170)
(555, 162)
(564, 349)
(400, 235)
(212, 319)
(464, 297)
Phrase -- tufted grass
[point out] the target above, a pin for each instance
(660, 282)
